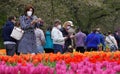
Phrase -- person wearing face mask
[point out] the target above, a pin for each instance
(27, 22)
(57, 36)
(65, 31)
(9, 42)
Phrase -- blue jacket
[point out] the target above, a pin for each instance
(49, 41)
(7, 30)
(102, 40)
(93, 40)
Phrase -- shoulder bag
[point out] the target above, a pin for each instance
(17, 33)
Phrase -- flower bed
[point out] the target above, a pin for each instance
(2, 51)
(69, 63)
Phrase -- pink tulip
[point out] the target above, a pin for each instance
(73, 66)
(51, 71)
(2, 69)
(45, 70)
(70, 72)
(109, 71)
(116, 68)
(24, 70)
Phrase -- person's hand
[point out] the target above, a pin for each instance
(65, 38)
(40, 21)
(71, 36)
(34, 21)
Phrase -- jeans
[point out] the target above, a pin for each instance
(58, 48)
(40, 49)
(10, 49)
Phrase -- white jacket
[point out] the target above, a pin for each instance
(57, 36)
(109, 42)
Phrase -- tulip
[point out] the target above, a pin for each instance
(73, 66)
(2, 69)
(116, 68)
(70, 72)
(51, 71)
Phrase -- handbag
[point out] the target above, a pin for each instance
(17, 33)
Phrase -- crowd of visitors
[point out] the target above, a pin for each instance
(56, 38)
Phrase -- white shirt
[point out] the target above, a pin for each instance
(110, 40)
(57, 36)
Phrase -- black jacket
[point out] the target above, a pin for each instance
(66, 34)
(7, 30)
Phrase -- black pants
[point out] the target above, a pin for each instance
(80, 49)
(48, 50)
(10, 49)
(92, 49)
(17, 48)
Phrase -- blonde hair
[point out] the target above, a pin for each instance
(65, 24)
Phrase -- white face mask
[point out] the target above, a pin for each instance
(29, 13)
(59, 27)
(68, 27)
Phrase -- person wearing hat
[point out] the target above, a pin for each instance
(57, 36)
(66, 33)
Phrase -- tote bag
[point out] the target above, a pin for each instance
(17, 33)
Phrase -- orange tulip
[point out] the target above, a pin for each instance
(11, 60)
(35, 61)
